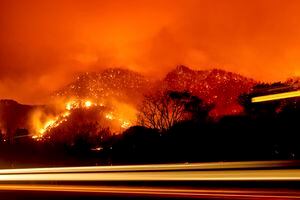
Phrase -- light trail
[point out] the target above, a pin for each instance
(77, 177)
(272, 97)
(157, 167)
(159, 191)
(231, 175)
(231, 171)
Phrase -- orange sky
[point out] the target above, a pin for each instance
(44, 43)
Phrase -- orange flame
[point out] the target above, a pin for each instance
(122, 116)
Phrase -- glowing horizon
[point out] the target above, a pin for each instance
(42, 41)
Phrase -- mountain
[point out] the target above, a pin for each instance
(293, 82)
(14, 116)
(123, 84)
(217, 87)
(214, 86)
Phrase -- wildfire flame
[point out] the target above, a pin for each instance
(117, 116)
(109, 116)
(88, 104)
(50, 124)
(123, 123)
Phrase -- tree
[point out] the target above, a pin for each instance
(263, 109)
(271, 122)
(161, 110)
(1, 136)
(138, 144)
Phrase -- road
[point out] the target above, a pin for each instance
(232, 180)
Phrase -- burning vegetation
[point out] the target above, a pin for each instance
(122, 98)
(77, 111)
(117, 99)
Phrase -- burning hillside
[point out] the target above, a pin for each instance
(121, 84)
(115, 94)
(82, 111)
(213, 86)
(216, 87)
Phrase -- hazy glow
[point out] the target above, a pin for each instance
(48, 40)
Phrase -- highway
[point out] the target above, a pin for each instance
(222, 180)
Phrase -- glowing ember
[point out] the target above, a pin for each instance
(109, 116)
(35, 136)
(125, 124)
(69, 106)
(72, 105)
(48, 125)
(66, 114)
(88, 104)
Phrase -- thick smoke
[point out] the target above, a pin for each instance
(44, 44)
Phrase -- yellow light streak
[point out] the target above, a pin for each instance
(156, 167)
(229, 175)
(167, 172)
(272, 97)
